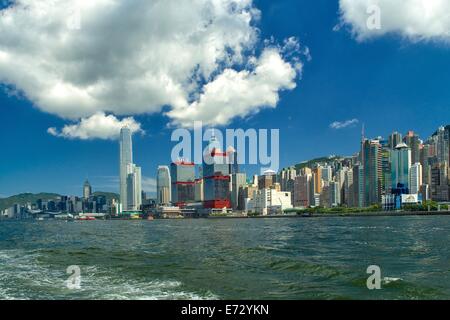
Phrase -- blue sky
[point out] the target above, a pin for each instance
(389, 83)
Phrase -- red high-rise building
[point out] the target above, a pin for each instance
(216, 177)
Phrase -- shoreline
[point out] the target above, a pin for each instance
(338, 215)
(287, 216)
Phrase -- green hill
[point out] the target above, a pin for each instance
(25, 198)
(311, 163)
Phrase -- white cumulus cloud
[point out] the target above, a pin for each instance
(196, 59)
(98, 126)
(343, 124)
(242, 93)
(415, 20)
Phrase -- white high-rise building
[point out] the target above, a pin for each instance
(327, 173)
(126, 158)
(416, 178)
(87, 190)
(134, 187)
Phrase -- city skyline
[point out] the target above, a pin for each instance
(115, 186)
(384, 87)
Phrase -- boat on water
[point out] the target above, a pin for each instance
(85, 218)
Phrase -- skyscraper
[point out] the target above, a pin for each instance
(394, 139)
(413, 142)
(440, 188)
(163, 186)
(87, 190)
(386, 171)
(216, 178)
(134, 187)
(442, 144)
(287, 180)
(317, 179)
(126, 158)
(182, 175)
(401, 165)
(327, 173)
(348, 189)
(238, 181)
(358, 188)
(302, 190)
(416, 178)
(372, 172)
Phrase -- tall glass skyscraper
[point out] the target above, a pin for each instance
(163, 186)
(126, 159)
(401, 166)
(134, 188)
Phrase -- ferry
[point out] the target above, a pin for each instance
(86, 218)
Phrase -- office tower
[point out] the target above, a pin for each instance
(238, 181)
(325, 196)
(317, 179)
(302, 191)
(416, 178)
(440, 189)
(334, 198)
(182, 175)
(126, 158)
(340, 179)
(425, 155)
(386, 170)
(349, 200)
(87, 190)
(413, 142)
(163, 186)
(327, 173)
(134, 187)
(216, 179)
(287, 180)
(372, 172)
(401, 165)
(358, 185)
(267, 180)
(442, 144)
(395, 139)
(233, 160)
(287, 177)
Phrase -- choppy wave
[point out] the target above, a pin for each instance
(227, 259)
(23, 277)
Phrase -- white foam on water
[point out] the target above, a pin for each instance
(388, 280)
(23, 277)
(111, 287)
